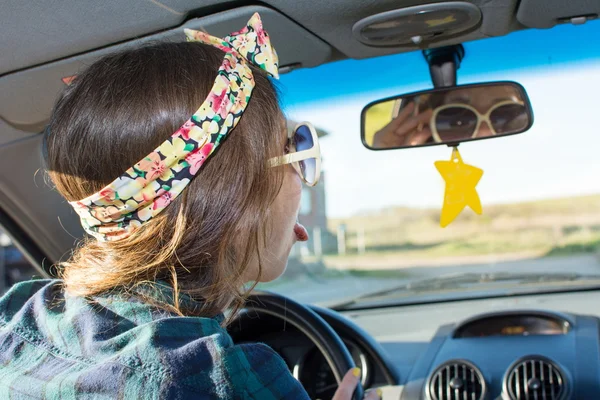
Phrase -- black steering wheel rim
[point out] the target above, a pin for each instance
(315, 328)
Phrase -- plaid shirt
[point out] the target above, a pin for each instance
(54, 346)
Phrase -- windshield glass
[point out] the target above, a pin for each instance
(374, 217)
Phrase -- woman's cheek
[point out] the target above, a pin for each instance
(295, 192)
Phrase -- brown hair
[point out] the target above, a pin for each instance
(117, 111)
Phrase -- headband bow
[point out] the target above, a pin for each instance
(145, 189)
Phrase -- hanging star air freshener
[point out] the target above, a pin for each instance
(460, 192)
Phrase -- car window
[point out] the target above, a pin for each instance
(14, 267)
(374, 219)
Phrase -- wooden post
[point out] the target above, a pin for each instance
(341, 239)
(361, 240)
(317, 245)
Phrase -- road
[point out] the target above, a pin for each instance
(323, 290)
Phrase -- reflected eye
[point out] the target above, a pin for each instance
(456, 122)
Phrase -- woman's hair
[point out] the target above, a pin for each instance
(120, 109)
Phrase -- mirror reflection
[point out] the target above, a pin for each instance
(447, 116)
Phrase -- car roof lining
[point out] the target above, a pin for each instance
(27, 97)
(70, 28)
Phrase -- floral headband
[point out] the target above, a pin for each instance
(145, 189)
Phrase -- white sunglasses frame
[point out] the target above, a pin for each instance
(296, 156)
(480, 117)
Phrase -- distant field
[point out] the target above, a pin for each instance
(550, 227)
(403, 243)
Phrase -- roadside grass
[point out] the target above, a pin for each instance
(549, 227)
(402, 237)
(576, 248)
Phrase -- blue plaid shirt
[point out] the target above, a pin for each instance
(54, 346)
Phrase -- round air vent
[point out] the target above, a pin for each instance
(419, 25)
(535, 377)
(456, 380)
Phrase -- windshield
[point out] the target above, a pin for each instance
(374, 217)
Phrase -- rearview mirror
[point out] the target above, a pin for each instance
(448, 115)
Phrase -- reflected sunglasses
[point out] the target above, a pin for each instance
(460, 121)
(304, 153)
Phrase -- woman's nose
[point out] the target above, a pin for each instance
(485, 130)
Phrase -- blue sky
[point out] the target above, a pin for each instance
(559, 156)
(550, 48)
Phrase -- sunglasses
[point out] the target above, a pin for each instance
(304, 153)
(460, 121)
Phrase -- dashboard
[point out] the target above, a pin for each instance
(517, 323)
(530, 347)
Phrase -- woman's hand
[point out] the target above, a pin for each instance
(348, 384)
(404, 130)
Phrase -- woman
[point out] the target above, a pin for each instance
(205, 205)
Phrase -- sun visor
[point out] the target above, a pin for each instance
(27, 97)
(548, 13)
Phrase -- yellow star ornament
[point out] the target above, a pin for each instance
(461, 180)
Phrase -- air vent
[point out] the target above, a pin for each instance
(535, 377)
(456, 380)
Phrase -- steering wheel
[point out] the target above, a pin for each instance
(313, 326)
